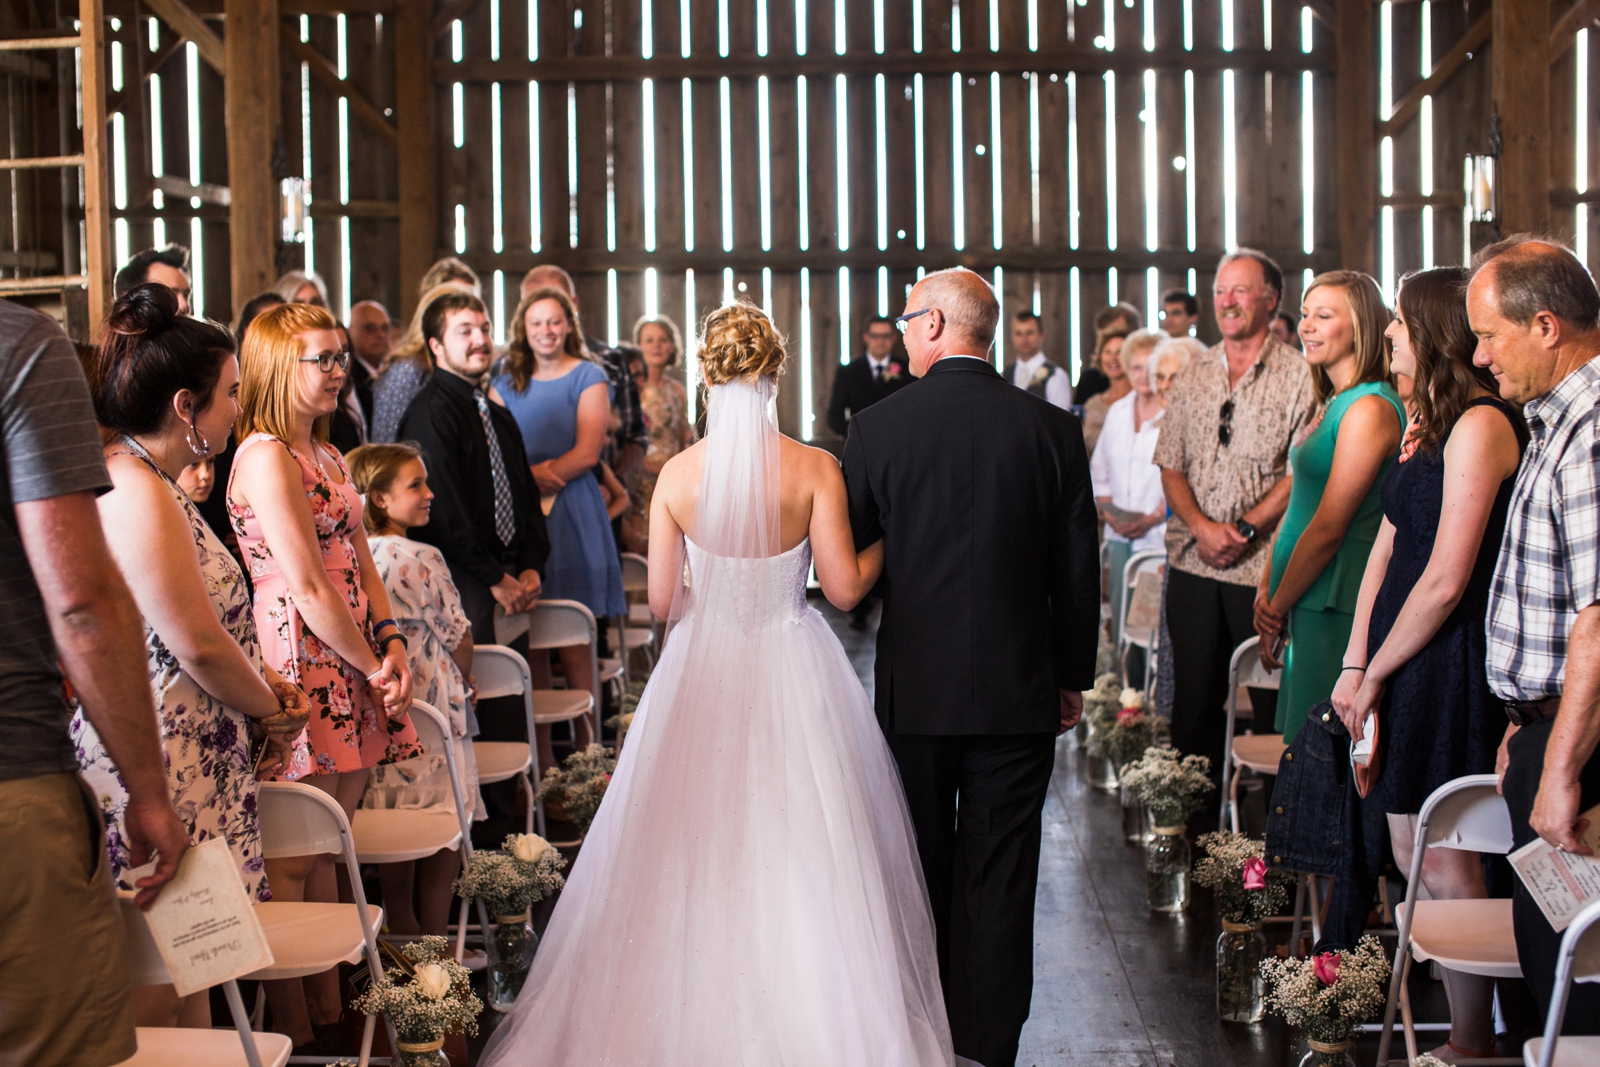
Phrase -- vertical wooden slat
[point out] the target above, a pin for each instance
(252, 93)
(325, 165)
(1357, 152)
(1563, 138)
(417, 169)
(96, 170)
(1406, 63)
(1521, 79)
(214, 240)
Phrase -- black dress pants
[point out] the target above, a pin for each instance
(1208, 619)
(1538, 945)
(975, 804)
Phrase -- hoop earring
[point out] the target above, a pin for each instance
(203, 449)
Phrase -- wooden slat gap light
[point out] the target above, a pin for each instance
(325, 72)
(184, 22)
(1564, 32)
(1449, 65)
(449, 12)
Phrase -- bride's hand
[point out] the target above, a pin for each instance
(869, 562)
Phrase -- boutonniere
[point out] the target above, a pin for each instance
(892, 372)
(1041, 375)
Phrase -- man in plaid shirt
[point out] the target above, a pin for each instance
(1537, 316)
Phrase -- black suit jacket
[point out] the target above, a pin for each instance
(363, 379)
(991, 581)
(855, 390)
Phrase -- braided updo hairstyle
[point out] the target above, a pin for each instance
(739, 341)
(148, 354)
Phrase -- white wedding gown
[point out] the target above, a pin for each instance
(749, 894)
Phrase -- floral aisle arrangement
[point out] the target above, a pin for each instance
(427, 995)
(621, 721)
(1170, 785)
(1100, 707)
(1248, 892)
(1328, 996)
(1133, 729)
(509, 882)
(580, 784)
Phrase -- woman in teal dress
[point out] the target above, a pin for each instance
(1319, 552)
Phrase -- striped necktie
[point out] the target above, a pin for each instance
(505, 519)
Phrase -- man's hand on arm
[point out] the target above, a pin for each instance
(1572, 741)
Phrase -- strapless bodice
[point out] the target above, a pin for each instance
(753, 593)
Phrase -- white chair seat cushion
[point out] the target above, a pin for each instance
(500, 761)
(175, 1047)
(1570, 1052)
(1259, 752)
(1473, 936)
(633, 639)
(308, 938)
(560, 705)
(639, 615)
(399, 835)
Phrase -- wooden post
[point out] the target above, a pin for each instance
(1356, 175)
(418, 167)
(252, 107)
(96, 172)
(1520, 78)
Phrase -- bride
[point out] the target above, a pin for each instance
(749, 894)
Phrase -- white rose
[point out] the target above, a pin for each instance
(1131, 698)
(529, 847)
(433, 979)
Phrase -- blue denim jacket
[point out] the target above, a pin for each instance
(1305, 819)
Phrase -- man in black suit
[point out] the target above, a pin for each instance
(865, 381)
(991, 606)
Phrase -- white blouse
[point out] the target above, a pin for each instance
(1121, 468)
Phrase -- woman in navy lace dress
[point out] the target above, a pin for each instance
(1416, 652)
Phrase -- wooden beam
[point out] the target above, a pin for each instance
(1356, 169)
(1449, 65)
(41, 162)
(326, 73)
(37, 40)
(1566, 30)
(96, 163)
(418, 161)
(824, 64)
(1521, 89)
(208, 192)
(191, 27)
(252, 110)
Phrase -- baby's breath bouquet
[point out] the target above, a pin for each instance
(1133, 729)
(1234, 868)
(621, 721)
(1169, 784)
(511, 881)
(1329, 995)
(1101, 704)
(580, 783)
(426, 994)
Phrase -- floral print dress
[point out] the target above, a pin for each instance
(348, 730)
(205, 743)
(428, 609)
(666, 417)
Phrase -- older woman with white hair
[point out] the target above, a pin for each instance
(303, 287)
(1169, 358)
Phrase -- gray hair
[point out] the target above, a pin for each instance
(1181, 348)
(1145, 340)
(1271, 273)
(968, 309)
(295, 280)
(1534, 274)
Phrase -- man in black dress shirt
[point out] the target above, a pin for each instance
(486, 518)
(867, 380)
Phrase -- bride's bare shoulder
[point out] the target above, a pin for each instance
(807, 464)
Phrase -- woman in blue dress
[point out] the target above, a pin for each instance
(562, 403)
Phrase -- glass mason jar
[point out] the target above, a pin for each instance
(1080, 734)
(1240, 949)
(1166, 869)
(1328, 1055)
(421, 1054)
(510, 955)
(1133, 821)
(1102, 772)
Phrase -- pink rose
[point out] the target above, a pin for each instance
(1129, 716)
(1327, 967)
(1255, 873)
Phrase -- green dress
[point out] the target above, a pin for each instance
(1319, 624)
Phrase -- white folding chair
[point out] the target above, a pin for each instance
(1470, 936)
(309, 938)
(501, 672)
(182, 1047)
(1252, 751)
(1579, 962)
(636, 579)
(1141, 567)
(400, 835)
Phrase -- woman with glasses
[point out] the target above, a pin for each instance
(1306, 600)
(320, 607)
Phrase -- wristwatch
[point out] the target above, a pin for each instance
(1246, 530)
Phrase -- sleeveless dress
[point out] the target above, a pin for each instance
(205, 743)
(749, 892)
(348, 730)
(1319, 623)
(583, 564)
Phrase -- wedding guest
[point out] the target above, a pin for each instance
(1124, 478)
(666, 417)
(1029, 368)
(302, 287)
(1122, 319)
(862, 382)
(1112, 356)
(1416, 653)
(1224, 457)
(65, 999)
(1180, 312)
(252, 310)
(560, 401)
(1286, 328)
(348, 430)
(405, 370)
(167, 266)
(1536, 313)
(393, 480)
(197, 480)
(1168, 361)
(1306, 601)
(371, 337)
(321, 611)
(164, 387)
(450, 271)
(612, 492)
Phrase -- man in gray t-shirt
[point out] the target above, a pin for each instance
(63, 605)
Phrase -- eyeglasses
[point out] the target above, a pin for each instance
(1225, 428)
(905, 320)
(328, 360)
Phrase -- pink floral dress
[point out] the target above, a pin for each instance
(348, 730)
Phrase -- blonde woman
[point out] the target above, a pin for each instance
(665, 404)
(1108, 360)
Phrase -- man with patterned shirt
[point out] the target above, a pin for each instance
(1537, 316)
(1224, 457)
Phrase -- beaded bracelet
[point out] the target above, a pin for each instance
(381, 623)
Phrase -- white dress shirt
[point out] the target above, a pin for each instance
(1121, 468)
(1058, 390)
